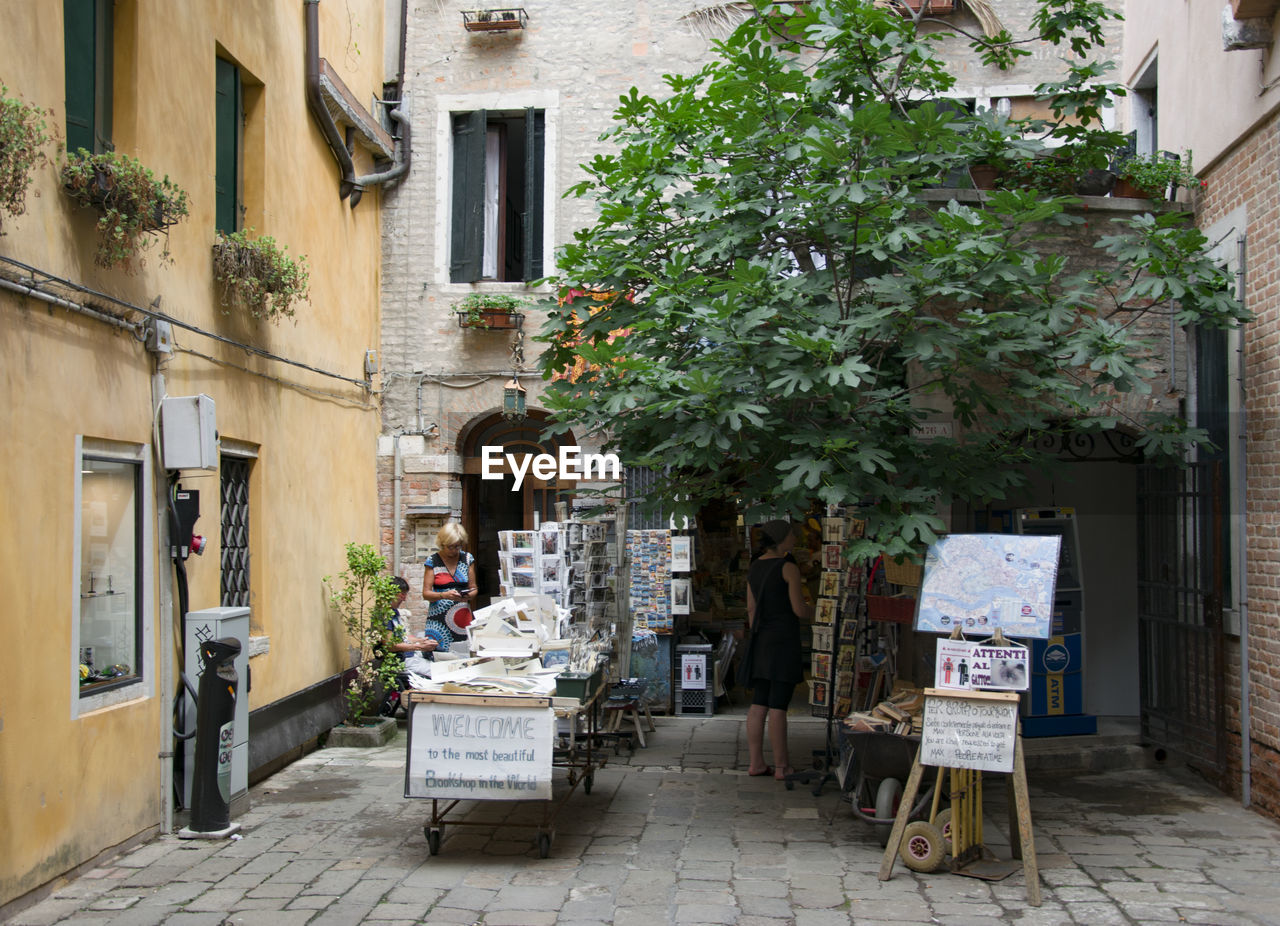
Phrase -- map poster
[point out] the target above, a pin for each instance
(980, 582)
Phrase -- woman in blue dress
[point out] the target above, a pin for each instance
(449, 584)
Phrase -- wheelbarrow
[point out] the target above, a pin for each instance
(881, 762)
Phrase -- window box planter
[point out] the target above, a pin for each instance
(23, 134)
(133, 203)
(258, 276)
(495, 311)
(501, 20)
(934, 6)
(493, 319)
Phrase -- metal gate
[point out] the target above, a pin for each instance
(1180, 582)
(235, 532)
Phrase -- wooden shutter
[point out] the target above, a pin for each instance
(534, 171)
(103, 72)
(467, 220)
(79, 49)
(228, 111)
(87, 36)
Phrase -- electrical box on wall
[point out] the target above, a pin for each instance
(189, 432)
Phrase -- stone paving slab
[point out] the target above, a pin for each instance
(677, 833)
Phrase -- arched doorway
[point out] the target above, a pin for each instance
(493, 505)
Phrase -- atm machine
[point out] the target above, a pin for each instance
(1055, 702)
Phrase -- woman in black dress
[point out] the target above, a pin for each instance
(775, 607)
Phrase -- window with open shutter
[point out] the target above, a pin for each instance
(467, 221)
(229, 117)
(88, 34)
(535, 132)
(498, 175)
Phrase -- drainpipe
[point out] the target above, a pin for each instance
(397, 475)
(350, 185)
(336, 142)
(164, 607)
(1242, 537)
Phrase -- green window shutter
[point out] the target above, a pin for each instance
(534, 168)
(103, 73)
(87, 36)
(79, 49)
(467, 221)
(227, 111)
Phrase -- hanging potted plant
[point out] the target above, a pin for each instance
(259, 276)
(133, 203)
(363, 596)
(1154, 176)
(22, 136)
(490, 310)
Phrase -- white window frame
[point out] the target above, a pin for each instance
(144, 686)
(446, 105)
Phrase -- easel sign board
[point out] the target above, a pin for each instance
(981, 582)
(480, 749)
(969, 729)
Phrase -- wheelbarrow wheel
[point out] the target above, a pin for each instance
(888, 797)
(943, 822)
(921, 849)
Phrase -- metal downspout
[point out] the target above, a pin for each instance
(164, 610)
(396, 477)
(316, 102)
(1242, 538)
(403, 154)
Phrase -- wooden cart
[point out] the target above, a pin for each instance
(484, 747)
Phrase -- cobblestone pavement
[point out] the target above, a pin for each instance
(678, 833)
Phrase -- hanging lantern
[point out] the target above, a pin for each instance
(513, 404)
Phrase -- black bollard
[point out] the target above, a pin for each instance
(215, 718)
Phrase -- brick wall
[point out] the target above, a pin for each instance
(1247, 178)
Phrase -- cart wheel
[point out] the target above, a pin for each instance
(433, 839)
(888, 797)
(587, 781)
(943, 822)
(544, 845)
(921, 848)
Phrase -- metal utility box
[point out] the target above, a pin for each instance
(189, 432)
(695, 688)
(216, 624)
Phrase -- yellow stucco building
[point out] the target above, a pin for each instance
(262, 132)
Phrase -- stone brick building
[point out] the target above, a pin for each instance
(540, 93)
(1224, 113)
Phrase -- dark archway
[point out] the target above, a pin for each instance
(493, 505)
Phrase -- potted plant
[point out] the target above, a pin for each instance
(1154, 176)
(490, 310)
(259, 276)
(133, 203)
(992, 147)
(1071, 168)
(363, 596)
(22, 136)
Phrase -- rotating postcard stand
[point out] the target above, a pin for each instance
(998, 586)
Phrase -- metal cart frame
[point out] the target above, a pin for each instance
(578, 754)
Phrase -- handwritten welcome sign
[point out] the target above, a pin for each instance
(480, 752)
(969, 729)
